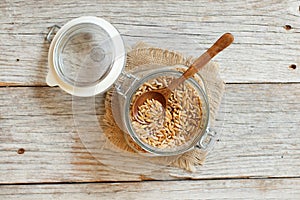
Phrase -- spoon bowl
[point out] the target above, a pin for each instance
(155, 94)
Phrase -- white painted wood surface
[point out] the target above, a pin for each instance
(259, 129)
(262, 52)
(205, 189)
(259, 137)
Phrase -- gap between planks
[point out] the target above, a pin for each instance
(155, 180)
(16, 85)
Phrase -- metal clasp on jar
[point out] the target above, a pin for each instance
(208, 140)
(124, 83)
(52, 31)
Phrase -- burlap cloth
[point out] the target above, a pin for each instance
(142, 54)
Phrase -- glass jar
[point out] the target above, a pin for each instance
(87, 57)
(192, 128)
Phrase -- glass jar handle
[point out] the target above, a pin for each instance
(51, 31)
(208, 140)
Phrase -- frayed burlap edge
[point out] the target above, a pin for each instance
(142, 54)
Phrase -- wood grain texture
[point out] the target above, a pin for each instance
(259, 137)
(263, 49)
(257, 155)
(208, 189)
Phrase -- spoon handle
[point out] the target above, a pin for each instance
(224, 41)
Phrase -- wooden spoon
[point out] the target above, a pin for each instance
(162, 95)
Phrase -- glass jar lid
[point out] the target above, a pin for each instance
(86, 56)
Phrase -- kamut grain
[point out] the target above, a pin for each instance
(171, 127)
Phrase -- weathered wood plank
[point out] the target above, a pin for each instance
(262, 52)
(259, 137)
(205, 189)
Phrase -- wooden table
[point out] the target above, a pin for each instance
(258, 154)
